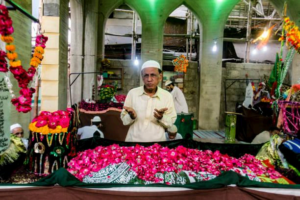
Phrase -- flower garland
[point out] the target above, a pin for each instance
(53, 123)
(23, 102)
(3, 63)
(147, 161)
(180, 63)
(292, 33)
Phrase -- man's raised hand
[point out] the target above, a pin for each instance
(130, 111)
(158, 114)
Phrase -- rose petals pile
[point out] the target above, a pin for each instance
(99, 106)
(120, 98)
(22, 103)
(147, 161)
(55, 122)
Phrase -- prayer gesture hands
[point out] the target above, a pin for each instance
(158, 114)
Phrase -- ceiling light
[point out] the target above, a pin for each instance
(265, 48)
(136, 62)
(214, 48)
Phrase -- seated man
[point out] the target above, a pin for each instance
(88, 131)
(17, 130)
(265, 136)
(172, 134)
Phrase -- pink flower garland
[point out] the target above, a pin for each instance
(5, 22)
(147, 161)
(23, 102)
(3, 62)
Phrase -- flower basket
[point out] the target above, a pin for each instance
(53, 139)
(106, 93)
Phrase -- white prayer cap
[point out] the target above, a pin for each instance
(150, 63)
(12, 127)
(96, 119)
(173, 129)
(168, 83)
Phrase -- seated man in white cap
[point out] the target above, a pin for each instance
(178, 96)
(89, 131)
(172, 134)
(148, 109)
(17, 130)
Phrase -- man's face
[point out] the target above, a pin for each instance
(151, 78)
(18, 132)
(172, 136)
(275, 132)
(169, 88)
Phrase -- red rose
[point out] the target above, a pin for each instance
(24, 108)
(9, 31)
(64, 122)
(56, 113)
(3, 66)
(27, 92)
(40, 118)
(23, 83)
(52, 123)
(17, 71)
(62, 112)
(24, 100)
(41, 123)
(15, 101)
(35, 119)
(55, 118)
(45, 113)
(31, 72)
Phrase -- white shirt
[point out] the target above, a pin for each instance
(146, 128)
(88, 132)
(261, 138)
(179, 100)
(25, 142)
(178, 137)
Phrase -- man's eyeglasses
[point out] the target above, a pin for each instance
(146, 76)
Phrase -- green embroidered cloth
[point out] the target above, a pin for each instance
(4, 115)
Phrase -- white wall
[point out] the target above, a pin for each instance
(121, 27)
(261, 55)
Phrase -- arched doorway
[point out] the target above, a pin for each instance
(182, 37)
(122, 47)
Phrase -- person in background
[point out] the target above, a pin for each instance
(148, 109)
(179, 99)
(265, 136)
(172, 134)
(89, 131)
(17, 130)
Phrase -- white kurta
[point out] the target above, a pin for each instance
(179, 100)
(146, 128)
(88, 132)
(178, 137)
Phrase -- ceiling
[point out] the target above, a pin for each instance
(263, 15)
